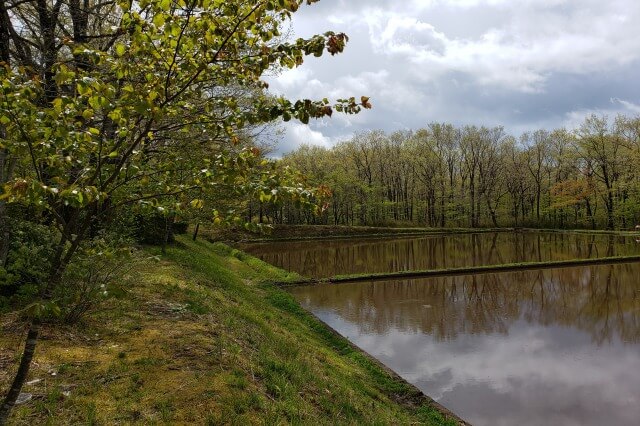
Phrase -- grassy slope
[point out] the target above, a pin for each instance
(205, 338)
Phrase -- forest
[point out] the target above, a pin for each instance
(469, 176)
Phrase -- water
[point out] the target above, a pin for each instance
(548, 347)
(321, 259)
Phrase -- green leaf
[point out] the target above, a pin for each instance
(159, 20)
(120, 49)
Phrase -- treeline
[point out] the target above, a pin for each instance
(449, 176)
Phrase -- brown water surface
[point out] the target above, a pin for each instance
(548, 347)
(326, 258)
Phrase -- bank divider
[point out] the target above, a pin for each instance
(396, 233)
(467, 270)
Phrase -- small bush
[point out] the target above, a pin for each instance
(27, 265)
(180, 228)
(100, 270)
(156, 228)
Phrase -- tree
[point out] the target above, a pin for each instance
(134, 103)
(537, 147)
(491, 177)
(472, 147)
(600, 148)
(426, 161)
(446, 142)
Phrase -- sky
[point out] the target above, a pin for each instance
(521, 64)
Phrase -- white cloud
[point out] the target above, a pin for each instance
(297, 134)
(376, 84)
(294, 78)
(629, 106)
(303, 134)
(573, 119)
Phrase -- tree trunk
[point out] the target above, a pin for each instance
(492, 212)
(195, 231)
(609, 204)
(6, 162)
(7, 166)
(165, 236)
(5, 234)
(23, 371)
(472, 191)
(590, 214)
(59, 264)
(442, 205)
(538, 195)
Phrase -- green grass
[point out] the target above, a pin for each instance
(206, 337)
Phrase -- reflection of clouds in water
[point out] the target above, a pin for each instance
(567, 358)
(534, 372)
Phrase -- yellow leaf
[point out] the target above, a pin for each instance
(57, 105)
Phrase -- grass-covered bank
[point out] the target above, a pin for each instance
(319, 232)
(205, 338)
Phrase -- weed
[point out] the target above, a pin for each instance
(91, 416)
(430, 416)
(165, 408)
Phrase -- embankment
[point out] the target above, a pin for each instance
(205, 337)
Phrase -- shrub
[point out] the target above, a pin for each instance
(101, 270)
(154, 228)
(180, 227)
(31, 247)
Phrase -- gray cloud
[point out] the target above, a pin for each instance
(524, 65)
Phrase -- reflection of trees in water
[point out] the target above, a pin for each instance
(601, 300)
(334, 257)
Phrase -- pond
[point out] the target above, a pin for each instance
(555, 346)
(326, 258)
